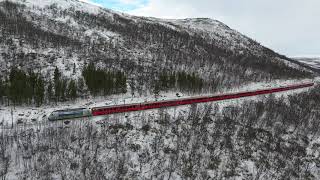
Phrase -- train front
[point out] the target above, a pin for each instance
(69, 114)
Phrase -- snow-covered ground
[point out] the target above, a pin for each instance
(313, 62)
(65, 4)
(29, 115)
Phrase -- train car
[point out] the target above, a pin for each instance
(97, 111)
(69, 114)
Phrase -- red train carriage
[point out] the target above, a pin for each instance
(154, 105)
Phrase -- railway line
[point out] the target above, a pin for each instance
(106, 110)
(84, 114)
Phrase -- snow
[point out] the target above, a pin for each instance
(313, 62)
(64, 4)
(218, 31)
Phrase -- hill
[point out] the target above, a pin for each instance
(68, 35)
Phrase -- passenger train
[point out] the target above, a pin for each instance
(98, 111)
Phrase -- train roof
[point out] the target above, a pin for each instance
(198, 97)
(66, 110)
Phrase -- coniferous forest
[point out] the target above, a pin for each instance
(32, 89)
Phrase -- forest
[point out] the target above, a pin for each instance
(21, 88)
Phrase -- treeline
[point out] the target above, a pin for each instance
(31, 88)
(21, 87)
(181, 81)
(104, 82)
(63, 89)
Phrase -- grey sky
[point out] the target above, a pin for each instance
(291, 27)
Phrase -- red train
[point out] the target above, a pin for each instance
(97, 111)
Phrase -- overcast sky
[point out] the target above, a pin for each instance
(291, 27)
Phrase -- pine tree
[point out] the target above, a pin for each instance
(63, 89)
(123, 83)
(80, 86)
(32, 82)
(39, 91)
(49, 91)
(57, 84)
(89, 74)
(18, 82)
(72, 90)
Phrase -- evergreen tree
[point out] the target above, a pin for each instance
(50, 91)
(32, 83)
(72, 90)
(121, 80)
(63, 89)
(80, 86)
(108, 83)
(57, 83)
(18, 83)
(172, 80)
(89, 73)
(103, 81)
(39, 91)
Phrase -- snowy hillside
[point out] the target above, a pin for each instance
(313, 62)
(63, 4)
(220, 34)
(72, 32)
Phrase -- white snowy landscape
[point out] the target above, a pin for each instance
(67, 54)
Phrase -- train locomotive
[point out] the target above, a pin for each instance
(69, 114)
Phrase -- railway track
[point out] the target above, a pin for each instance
(101, 111)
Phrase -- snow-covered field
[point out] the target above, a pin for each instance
(27, 115)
